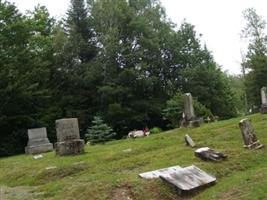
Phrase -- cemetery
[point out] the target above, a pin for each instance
(123, 100)
(104, 170)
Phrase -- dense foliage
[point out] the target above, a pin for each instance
(121, 60)
(255, 63)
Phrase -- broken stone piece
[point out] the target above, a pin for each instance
(157, 173)
(189, 141)
(38, 157)
(206, 153)
(249, 136)
(189, 179)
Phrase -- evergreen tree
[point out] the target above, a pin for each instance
(99, 132)
(256, 58)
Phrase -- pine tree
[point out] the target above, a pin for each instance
(99, 132)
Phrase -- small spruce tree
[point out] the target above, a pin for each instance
(99, 132)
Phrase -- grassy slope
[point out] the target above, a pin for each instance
(103, 168)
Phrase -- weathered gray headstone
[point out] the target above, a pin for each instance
(189, 141)
(264, 100)
(249, 136)
(189, 119)
(68, 137)
(188, 107)
(38, 141)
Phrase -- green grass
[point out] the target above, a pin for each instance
(105, 170)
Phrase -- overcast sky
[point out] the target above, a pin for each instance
(220, 22)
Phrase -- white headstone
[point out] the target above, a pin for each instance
(264, 96)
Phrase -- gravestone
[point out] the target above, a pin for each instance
(185, 180)
(249, 136)
(264, 100)
(205, 153)
(68, 137)
(189, 141)
(38, 141)
(188, 180)
(188, 107)
(189, 119)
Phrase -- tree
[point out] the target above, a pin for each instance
(256, 58)
(99, 132)
(25, 56)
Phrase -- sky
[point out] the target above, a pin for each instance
(219, 21)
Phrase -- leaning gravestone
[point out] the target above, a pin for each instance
(264, 100)
(68, 137)
(38, 141)
(189, 119)
(249, 136)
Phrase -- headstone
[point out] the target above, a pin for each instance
(205, 153)
(188, 180)
(189, 141)
(189, 119)
(68, 137)
(264, 100)
(249, 136)
(38, 141)
(188, 107)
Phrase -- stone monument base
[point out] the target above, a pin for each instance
(42, 148)
(263, 109)
(191, 124)
(71, 147)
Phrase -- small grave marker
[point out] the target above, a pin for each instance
(38, 141)
(249, 135)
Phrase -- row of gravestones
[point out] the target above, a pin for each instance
(190, 120)
(68, 139)
(68, 136)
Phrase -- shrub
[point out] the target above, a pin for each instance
(99, 132)
(155, 130)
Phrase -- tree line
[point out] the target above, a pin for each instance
(123, 61)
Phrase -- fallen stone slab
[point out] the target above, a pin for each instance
(205, 153)
(189, 179)
(157, 173)
(189, 141)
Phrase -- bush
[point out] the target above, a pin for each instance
(155, 130)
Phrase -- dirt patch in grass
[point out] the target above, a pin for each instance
(231, 194)
(53, 174)
(122, 193)
(19, 193)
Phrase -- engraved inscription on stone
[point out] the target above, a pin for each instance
(67, 129)
(37, 133)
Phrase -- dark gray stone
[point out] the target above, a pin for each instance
(38, 141)
(249, 135)
(68, 137)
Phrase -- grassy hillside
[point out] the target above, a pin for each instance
(107, 172)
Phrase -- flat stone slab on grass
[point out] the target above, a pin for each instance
(189, 179)
(157, 173)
